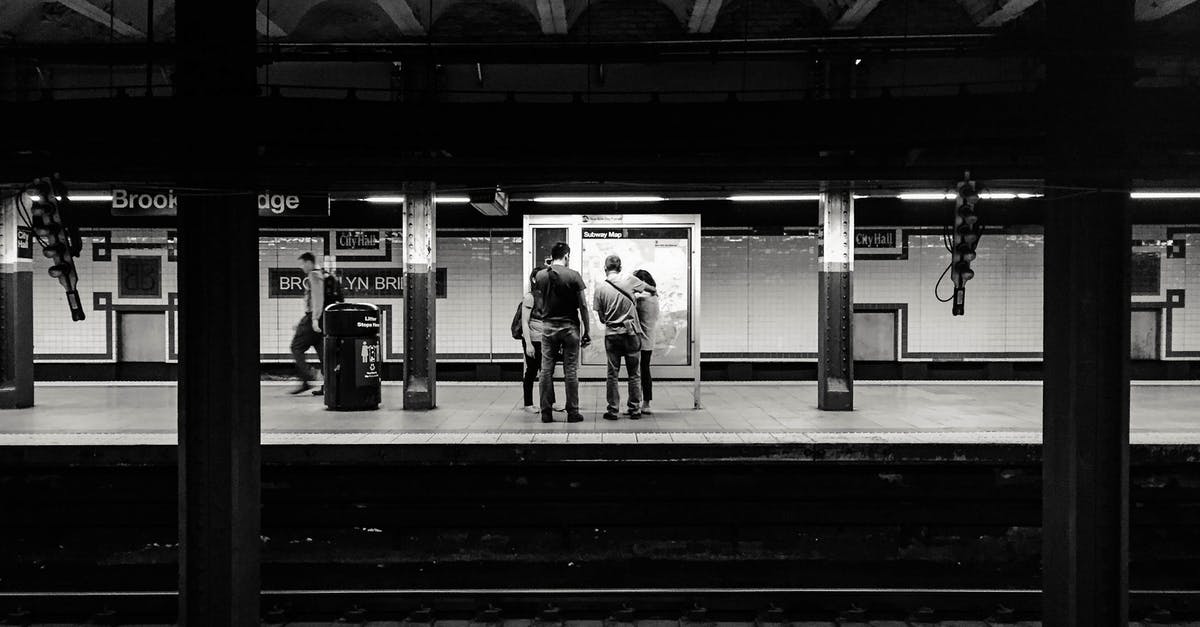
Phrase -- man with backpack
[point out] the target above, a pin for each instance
(320, 289)
(562, 309)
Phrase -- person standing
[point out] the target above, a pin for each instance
(647, 309)
(531, 341)
(616, 306)
(562, 308)
(308, 332)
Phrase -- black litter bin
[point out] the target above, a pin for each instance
(351, 356)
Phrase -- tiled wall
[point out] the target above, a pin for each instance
(759, 294)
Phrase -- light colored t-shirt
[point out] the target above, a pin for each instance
(535, 323)
(615, 310)
(647, 308)
(314, 283)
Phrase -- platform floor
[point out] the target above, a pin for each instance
(492, 413)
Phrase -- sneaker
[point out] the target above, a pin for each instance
(303, 387)
(635, 415)
(646, 410)
(548, 417)
(559, 408)
(531, 409)
(608, 415)
(575, 418)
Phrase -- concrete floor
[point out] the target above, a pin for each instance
(492, 413)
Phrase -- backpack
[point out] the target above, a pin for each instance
(518, 331)
(333, 289)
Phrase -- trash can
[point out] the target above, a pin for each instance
(351, 356)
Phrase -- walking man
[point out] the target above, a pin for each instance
(563, 308)
(616, 306)
(308, 333)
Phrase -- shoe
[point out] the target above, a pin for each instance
(646, 410)
(635, 416)
(575, 418)
(531, 409)
(548, 418)
(608, 415)
(319, 391)
(559, 408)
(303, 387)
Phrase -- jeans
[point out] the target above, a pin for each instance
(647, 382)
(533, 367)
(560, 337)
(629, 347)
(305, 338)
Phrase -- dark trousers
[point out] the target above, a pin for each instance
(560, 338)
(533, 369)
(629, 348)
(305, 338)
(647, 382)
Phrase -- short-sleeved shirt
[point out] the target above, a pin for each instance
(561, 303)
(614, 308)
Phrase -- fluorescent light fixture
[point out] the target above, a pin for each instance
(773, 197)
(398, 200)
(91, 197)
(952, 196)
(925, 196)
(1163, 195)
(597, 199)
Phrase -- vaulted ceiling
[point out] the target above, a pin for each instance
(67, 21)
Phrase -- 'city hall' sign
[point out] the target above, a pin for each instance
(134, 202)
(875, 238)
(357, 240)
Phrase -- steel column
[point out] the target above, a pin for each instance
(420, 296)
(16, 310)
(835, 316)
(1086, 323)
(219, 419)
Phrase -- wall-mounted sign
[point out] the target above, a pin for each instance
(137, 202)
(24, 243)
(357, 240)
(292, 205)
(875, 238)
(356, 282)
(637, 233)
(134, 202)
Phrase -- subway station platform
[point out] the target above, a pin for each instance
(747, 413)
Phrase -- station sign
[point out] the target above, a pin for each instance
(142, 202)
(357, 240)
(24, 243)
(356, 282)
(135, 202)
(875, 238)
(292, 205)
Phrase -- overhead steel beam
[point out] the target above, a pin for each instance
(703, 16)
(854, 14)
(402, 16)
(268, 27)
(1148, 10)
(553, 16)
(100, 16)
(988, 14)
